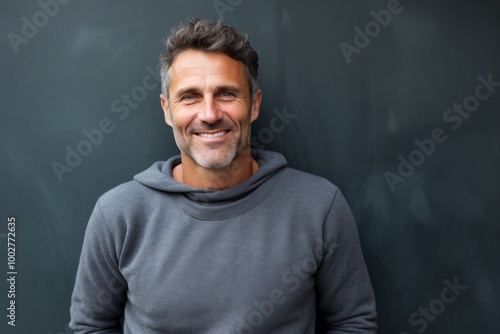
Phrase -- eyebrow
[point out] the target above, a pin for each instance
(227, 88)
(186, 90)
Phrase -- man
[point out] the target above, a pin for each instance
(223, 238)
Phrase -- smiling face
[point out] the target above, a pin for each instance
(210, 108)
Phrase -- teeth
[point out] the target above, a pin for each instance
(212, 135)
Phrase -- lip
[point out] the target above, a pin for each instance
(220, 134)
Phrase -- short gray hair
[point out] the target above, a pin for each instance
(209, 36)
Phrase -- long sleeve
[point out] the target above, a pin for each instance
(345, 296)
(100, 290)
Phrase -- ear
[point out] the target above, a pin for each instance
(257, 99)
(166, 111)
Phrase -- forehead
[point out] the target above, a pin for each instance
(200, 67)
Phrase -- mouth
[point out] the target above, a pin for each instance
(212, 134)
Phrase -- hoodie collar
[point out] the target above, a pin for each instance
(159, 177)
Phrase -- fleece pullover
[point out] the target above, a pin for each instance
(268, 255)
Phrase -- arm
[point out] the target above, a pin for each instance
(346, 301)
(100, 290)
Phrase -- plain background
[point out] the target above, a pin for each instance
(353, 123)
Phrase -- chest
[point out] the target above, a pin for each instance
(189, 272)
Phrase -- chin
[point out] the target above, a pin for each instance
(208, 160)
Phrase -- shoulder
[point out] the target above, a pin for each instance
(295, 178)
(307, 187)
(295, 184)
(122, 193)
(127, 199)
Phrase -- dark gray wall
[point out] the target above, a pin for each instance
(353, 123)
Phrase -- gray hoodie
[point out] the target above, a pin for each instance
(269, 255)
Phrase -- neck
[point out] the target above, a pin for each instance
(192, 174)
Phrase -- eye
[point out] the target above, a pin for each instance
(227, 95)
(188, 97)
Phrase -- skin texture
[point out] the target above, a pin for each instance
(209, 96)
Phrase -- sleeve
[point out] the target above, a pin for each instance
(346, 302)
(100, 290)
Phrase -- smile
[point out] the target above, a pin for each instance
(212, 135)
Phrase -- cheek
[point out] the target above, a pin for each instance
(240, 113)
(181, 119)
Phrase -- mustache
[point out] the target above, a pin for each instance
(204, 126)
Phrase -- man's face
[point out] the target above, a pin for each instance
(210, 107)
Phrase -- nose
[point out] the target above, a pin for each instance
(210, 112)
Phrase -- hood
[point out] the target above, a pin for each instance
(159, 177)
